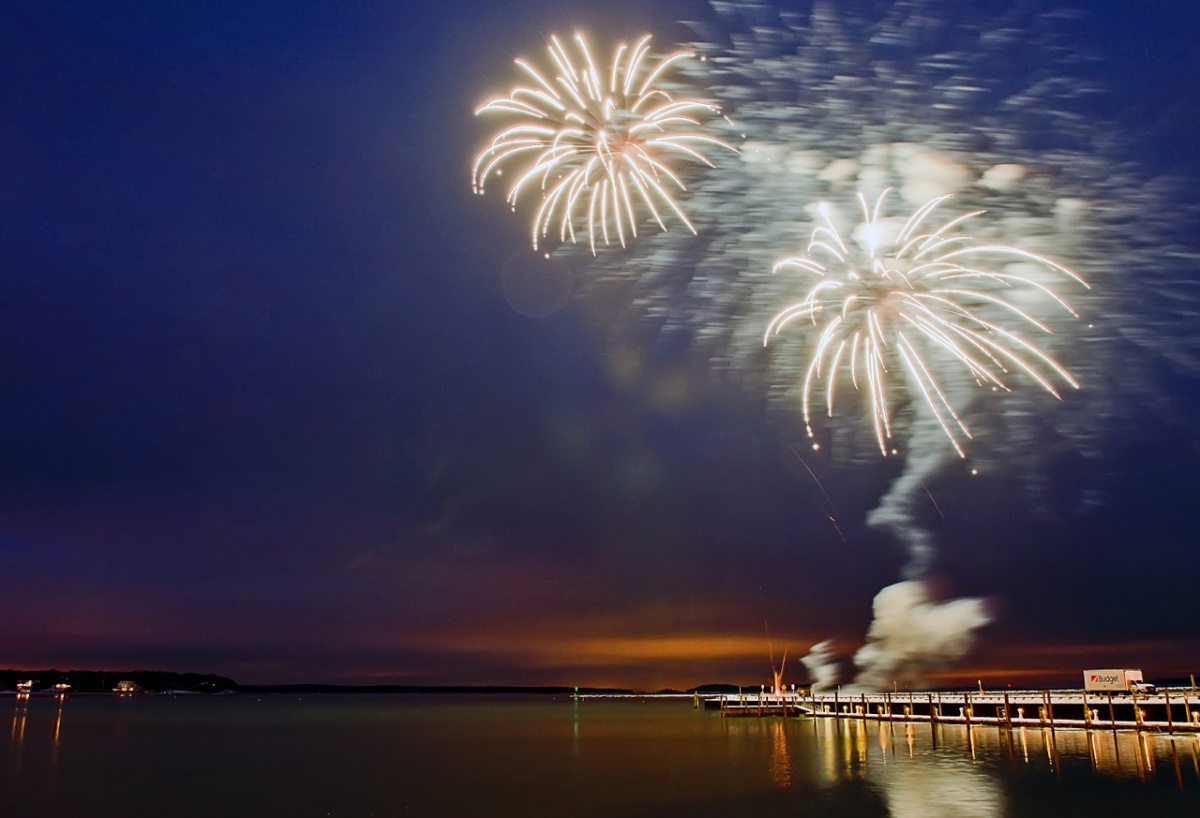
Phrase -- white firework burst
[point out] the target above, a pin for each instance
(596, 147)
(922, 302)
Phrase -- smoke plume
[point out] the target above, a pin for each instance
(927, 453)
(822, 666)
(912, 634)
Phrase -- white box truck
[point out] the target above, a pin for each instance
(1122, 679)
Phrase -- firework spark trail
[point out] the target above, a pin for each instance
(889, 300)
(936, 507)
(813, 475)
(832, 511)
(598, 143)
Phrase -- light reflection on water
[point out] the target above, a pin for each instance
(533, 756)
(781, 761)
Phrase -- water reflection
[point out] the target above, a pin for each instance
(17, 735)
(781, 762)
(613, 756)
(575, 726)
(945, 769)
(57, 733)
(20, 713)
(948, 788)
(1117, 754)
(925, 781)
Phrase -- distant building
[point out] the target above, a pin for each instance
(127, 688)
(26, 686)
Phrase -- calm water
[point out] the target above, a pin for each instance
(535, 756)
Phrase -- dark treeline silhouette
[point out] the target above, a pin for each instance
(161, 681)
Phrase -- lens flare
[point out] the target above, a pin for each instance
(599, 148)
(916, 303)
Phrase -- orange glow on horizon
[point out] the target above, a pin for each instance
(603, 650)
(681, 660)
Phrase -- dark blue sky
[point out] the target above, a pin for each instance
(265, 411)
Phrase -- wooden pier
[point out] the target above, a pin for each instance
(1175, 710)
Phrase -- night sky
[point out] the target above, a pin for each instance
(267, 409)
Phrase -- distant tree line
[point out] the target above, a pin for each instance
(161, 681)
(104, 681)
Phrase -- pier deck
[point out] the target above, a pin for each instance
(1174, 710)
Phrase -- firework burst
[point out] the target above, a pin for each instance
(597, 147)
(921, 302)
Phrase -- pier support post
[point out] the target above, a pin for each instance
(1170, 725)
(967, 708)
(1007, 712)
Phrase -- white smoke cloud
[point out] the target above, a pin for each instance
(822, 667)
(913, 633)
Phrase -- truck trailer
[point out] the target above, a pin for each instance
(1116, 679)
